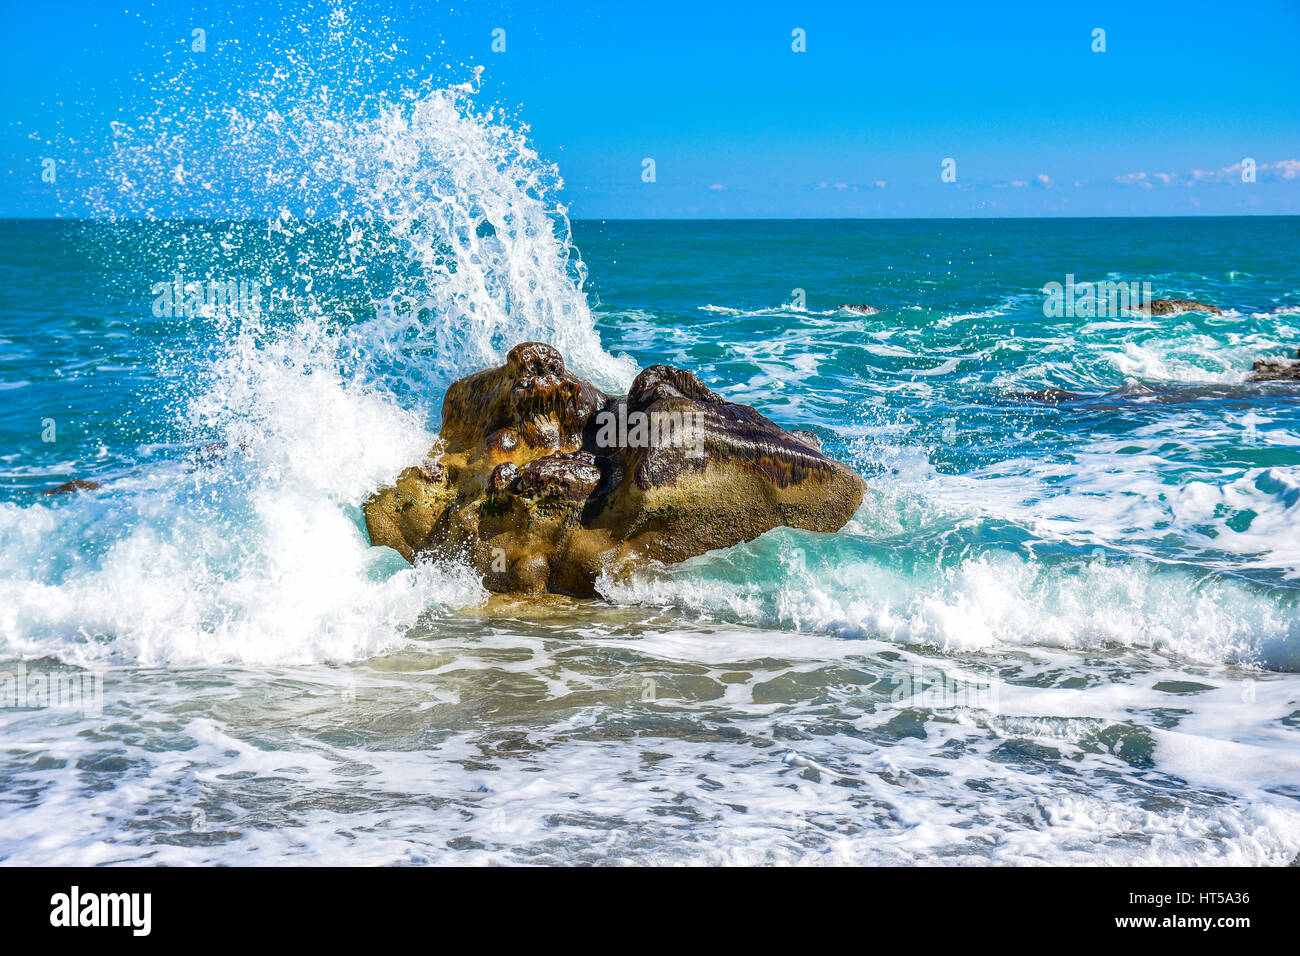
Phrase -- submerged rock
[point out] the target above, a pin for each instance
(543, 481)
(1047, 396)
(1275, 370)
(1176, 306)
(71, 487)
(859, 309)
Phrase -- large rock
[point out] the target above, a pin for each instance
(542, 481)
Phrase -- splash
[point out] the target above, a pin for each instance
(398, 203)
(465, 198)
(405, 237)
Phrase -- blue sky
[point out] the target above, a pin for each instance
(741, 125)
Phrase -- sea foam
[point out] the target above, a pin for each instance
(445, 246)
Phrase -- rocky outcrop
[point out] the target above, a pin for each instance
(1275, 370)
(543, 482)
(1176, 306)
(859, 309)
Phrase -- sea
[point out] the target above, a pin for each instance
(1063, 627)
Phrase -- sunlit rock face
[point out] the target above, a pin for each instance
(543, 482)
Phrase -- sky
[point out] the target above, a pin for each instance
(740, 123)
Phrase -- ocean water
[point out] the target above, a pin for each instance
(1060, 633)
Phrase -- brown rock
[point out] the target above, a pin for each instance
(72, 487)
(544, 482)
(1275, 370)
(1176, 306)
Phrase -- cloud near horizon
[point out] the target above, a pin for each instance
(1283, 169)
(850, 187)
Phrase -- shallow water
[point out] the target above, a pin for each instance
(598, 735)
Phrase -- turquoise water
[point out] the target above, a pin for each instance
(1052, 633)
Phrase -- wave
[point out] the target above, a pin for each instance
(985, 600)
(779, 310)
(469, 202)
(446, 245)
(258, 555)
(1023, 553)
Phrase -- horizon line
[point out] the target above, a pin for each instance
(1245, 215)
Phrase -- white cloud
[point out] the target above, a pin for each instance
(1283, 169)
(1287, 168)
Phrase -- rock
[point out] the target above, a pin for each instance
(543, 482)
(1176, 306)
(859, 309)
(1048, 396)
(72, 487)
(1275, 370)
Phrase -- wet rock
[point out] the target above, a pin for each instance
(1177, 306)
(808, 438)
(560, 477)
(859, 309)
(504, 478)
(1275, 370)
(1047, 396)
(544, 482)
(72, 487)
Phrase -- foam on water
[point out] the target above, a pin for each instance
(816, 761)
(989, 601)
(256, 556)
(444, 224)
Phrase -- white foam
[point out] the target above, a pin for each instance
(262, 556)
(987, 603)
(468, 200)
